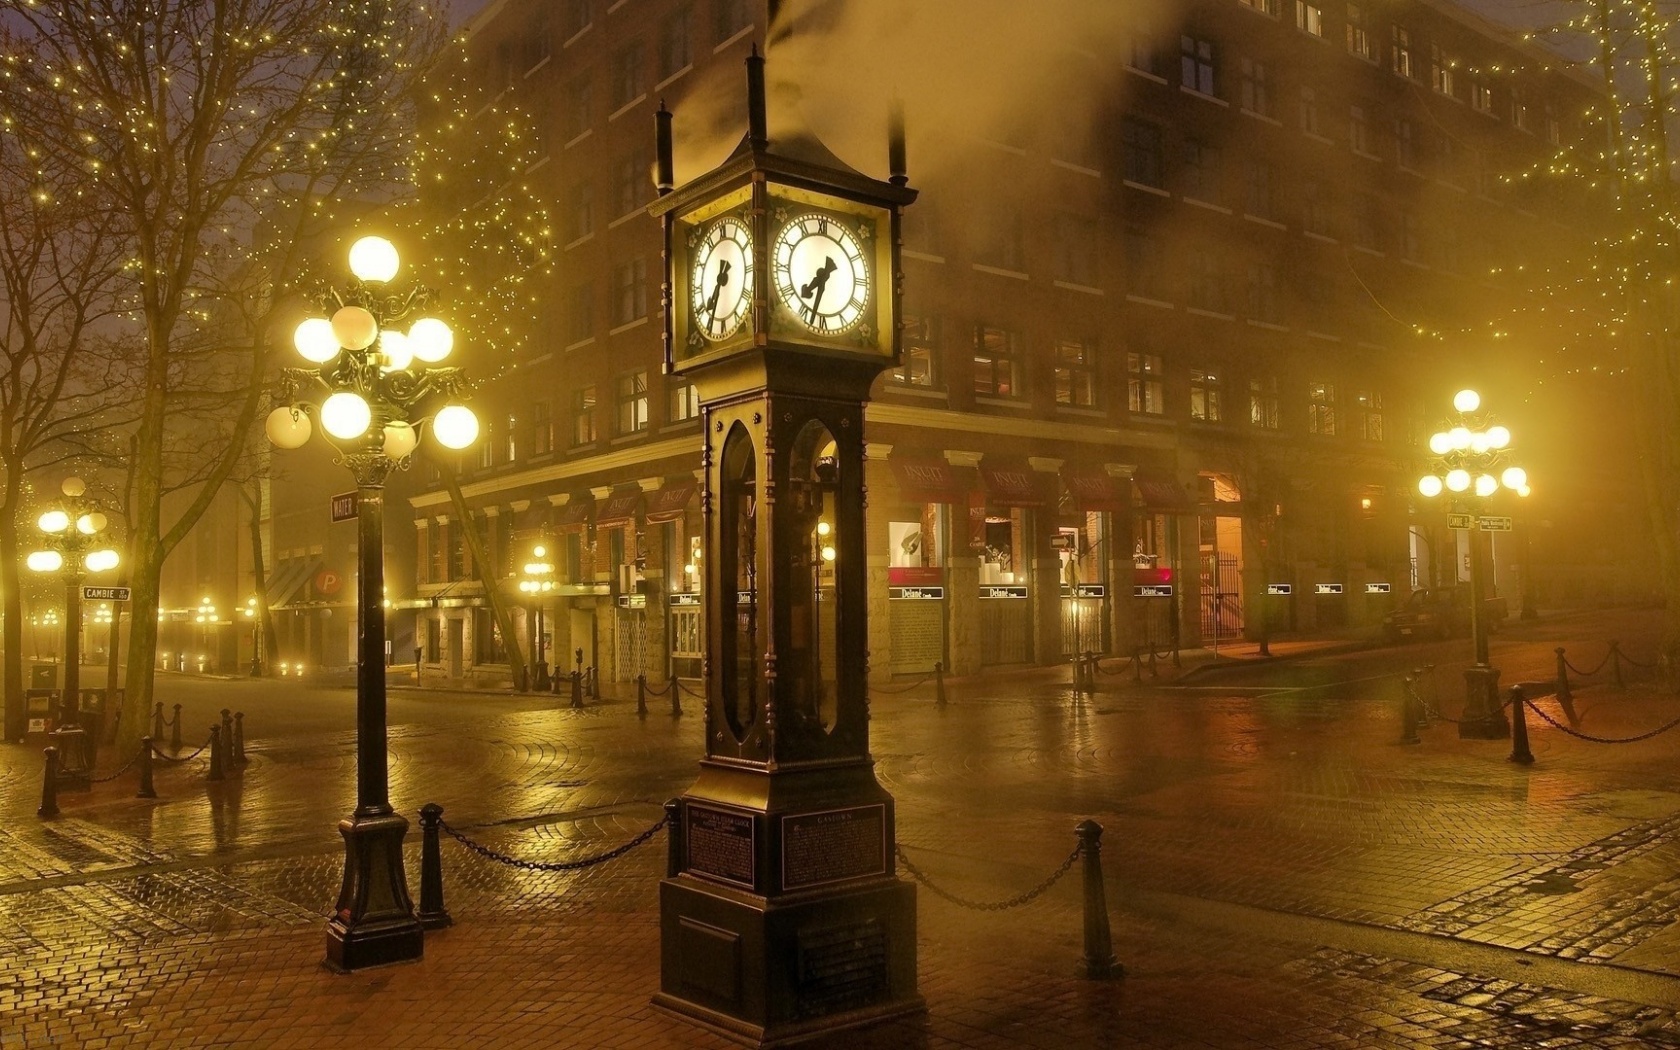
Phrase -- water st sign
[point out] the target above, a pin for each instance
(343, 506)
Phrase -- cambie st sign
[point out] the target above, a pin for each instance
(105, 594)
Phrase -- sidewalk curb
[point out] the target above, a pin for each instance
(1218, 667)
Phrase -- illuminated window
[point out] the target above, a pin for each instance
(1481, 97)
(1076, 373)
(1441, 72)
(921, 344)
(1309, 18)
(583, 416)
(631, 394)
(510, 435)
(542, 429)
(1368, 406)
(1207, 400)
(1263, 403)
(1144, 383)
(684, 401)
(1196, 67)
(1265, 7)
(1358, 36)
(997, 362)
(1321, 409)
(1400, 51)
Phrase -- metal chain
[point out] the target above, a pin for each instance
(690, 692)
(1631, 662)
(1603, 739)
(651, 691)
(566, 865)
(1125, 666)
(918, 683)
(1587, 674)
(1003, 905)
(183, 758)
(126, 767)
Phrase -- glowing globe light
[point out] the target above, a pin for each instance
(539, 551)
(430, 339)
(354, 328)
(90, 523)
(1430, 485)
(346, 415)
(828, 554)
(1460, 437)
(44, 561)
(1514, 478)
(288, 427)
(315, 340)
(398, 354)
(72, 487)
(455, 426)
(824, 528)
(1524, 491)
(1458, 480)
(1440, 443)
(54, 521)
(1467, 401)
(1487, 485)
(1478, 443)
(1498, 437)
(101, 560)
(373, 259)
(400, 440)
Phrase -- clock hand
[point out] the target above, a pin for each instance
(817, 284)
(717, 290)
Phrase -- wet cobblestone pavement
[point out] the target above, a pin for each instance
(1281, 873)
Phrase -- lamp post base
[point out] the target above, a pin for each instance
(1484, 717)
(374, 923)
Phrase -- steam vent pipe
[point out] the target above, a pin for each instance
(664, 177)
(758, 125)
(899, 172)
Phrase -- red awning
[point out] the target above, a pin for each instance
(669, 503)
(619, 509)
(575, 511)
(1011, 482)
(1093, 489)
(925, 477)
(1160, 491)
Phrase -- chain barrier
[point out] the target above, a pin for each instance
(1665, 727)
(651, 691)
(1003, 905)
(564, 865)
(182, 758)
(918, 683)
(1588, 674)
(1631, 662)
(690, 692)
(126, 767)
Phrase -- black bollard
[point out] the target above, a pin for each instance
(676, 698)
(175, 731)
(1100, 964)
(49, 785)
(1420, 707)
(1432, 702)
(1408, 713)
(1616, 664)
(1519, 729)
(641, 696)
(1137, 663)
(147, 789)
(1565, 695)
(239, 738)
(939, 683)
(673, 838)
(433, 915)
(1153, 673)
(577, 689)
(1078, 674)
(216, 753)
(594, 683)
(157, 721)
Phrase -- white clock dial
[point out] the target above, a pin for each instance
(721, 288)
(821, 273)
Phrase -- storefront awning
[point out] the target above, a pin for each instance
(925, 477)
(289, 579)
(1011, 482)
(574, 512)
(1093, 489)
(618, 509)
(669, 503)
(1160, 491)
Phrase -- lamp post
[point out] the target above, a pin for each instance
(537, 582)
(1471, 465)
(378, 391)
(206, 620)
(255, 621)
(70, 545)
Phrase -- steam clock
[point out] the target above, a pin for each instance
(783, 914)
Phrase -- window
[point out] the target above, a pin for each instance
(631, 184)
(1140, 144)
(1076, 376)
(630, 393)
(1262, 292)
(1411, 239)
(732, 17)
(1441, 72)
(1265, 7)
(1076, 249)
(1309, 18)
(1316, 214)
(1364, 230)
(1206, 401)
(1481, 97)
(583, 416)
(683, 401)
(1358, 36)
(580, 320)
(1359, 130)
(920, 342)
(627, 84)
(1142, 54)
(1554, 129)
(542, 429)
(1309, 111)
(1143, 383)
(510, 438)
(1368, 405)
(1321, 409)
(580, 107)
(1405, 143)
(997, 362)
(675, 48)
(629, 291)
(1520, 118)
(1207, 281)
(1201, 171)
(1195, 64)
(998, 239)
(578, 15)
(1400, 51)
(580, 213)
(1263, 402)
(1145, 265)
(487, 446)
(1259, 186)
(1256, 95)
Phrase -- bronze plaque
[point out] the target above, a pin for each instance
(720, 844)
(834, 846)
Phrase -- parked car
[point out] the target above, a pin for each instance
(1432, 612)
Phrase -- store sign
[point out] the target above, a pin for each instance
(924, 594)
(1461, 521)
(1152, 590)
(746, 597)
(1087, 590)
(105, 594)
(914, 576)
(343, 506)
(1494, 523)
(632, 601)
(1280, 588)
(1377, 588)
(990, 591)
(685, 600)
(1327, 588)
(1064, 541)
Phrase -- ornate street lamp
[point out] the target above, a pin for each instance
(1471, 466)
(380, 390)
(255, 621)
(537, 582)
(71, 545)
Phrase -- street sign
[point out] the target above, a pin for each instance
(105, 594)
(1461, 521)
(1153, 590)
(1004, 591)
(1280, 588)
(1494, 523)
(923, 594)
(344, 506)
(1377, 588)
(684, 600)
(1327, 588)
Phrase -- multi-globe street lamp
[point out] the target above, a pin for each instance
(252, 618)
(380, 388)
(536, 583)
(70, 545)
(206, 620)
(1472, 466)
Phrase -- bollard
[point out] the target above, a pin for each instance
(673, 838)
(641, 696)
(227, 741)
(939, 684)
(175, 731)
(1519, 729)
(1137, 663)
(239, 738)
(433, 915)
(216, 753)
(676, 697)
(1421, 708)
(1078, 674)
(1433, 701)
(1408, 713)
(594, 683)
(577, 689)
(1152, 672)
(147, 789)
(1616, 664)
(1176, 663)
(157, 721)
(1565, 695)
(1090, 672)
(1100, 964)
(49, 785)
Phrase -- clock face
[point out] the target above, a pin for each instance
(720, 288)
(821, 272)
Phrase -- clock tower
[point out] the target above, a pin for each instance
(782, 914)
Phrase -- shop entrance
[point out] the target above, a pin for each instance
(1081, 550)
